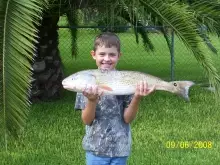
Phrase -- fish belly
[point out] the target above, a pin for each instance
(120, 90)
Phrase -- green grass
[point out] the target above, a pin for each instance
(54, 131)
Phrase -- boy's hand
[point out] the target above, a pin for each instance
(143, 89)
(92, 93)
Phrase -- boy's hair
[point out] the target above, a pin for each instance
(107, 39)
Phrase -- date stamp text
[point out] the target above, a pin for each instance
(189, 144)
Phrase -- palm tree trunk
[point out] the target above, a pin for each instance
(47, 68)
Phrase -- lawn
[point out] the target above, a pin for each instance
(167, 130)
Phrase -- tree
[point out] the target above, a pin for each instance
(23, 39)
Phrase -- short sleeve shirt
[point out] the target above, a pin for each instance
(108, 135)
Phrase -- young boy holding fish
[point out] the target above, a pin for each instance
(107, 118)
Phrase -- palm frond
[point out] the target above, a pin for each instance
(183, 22)
(203, 34)
(72, 20)
(18, 36)
(167, 37)
(2, 3)
(207, 14)
(128, 13)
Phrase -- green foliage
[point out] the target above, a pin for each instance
(73, 21)
(1, 73)
(18, 35)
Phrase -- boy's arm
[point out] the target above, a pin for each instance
(131, 111)
(88, 114)
(141, 90)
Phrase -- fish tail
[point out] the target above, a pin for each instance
(183, 88)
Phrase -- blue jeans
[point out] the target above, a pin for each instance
(92, 159)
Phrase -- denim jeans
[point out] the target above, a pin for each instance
(92, 159)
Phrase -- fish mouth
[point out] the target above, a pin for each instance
(68, 86)
(64, 83)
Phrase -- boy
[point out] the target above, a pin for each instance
(108, 135)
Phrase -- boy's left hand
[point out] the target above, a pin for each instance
(143, 89)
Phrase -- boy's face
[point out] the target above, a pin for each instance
(106, 58)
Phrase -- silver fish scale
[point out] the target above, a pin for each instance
(121, 78)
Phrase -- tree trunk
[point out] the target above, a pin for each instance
(47, 67)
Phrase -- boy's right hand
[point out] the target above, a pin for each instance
(92, 93)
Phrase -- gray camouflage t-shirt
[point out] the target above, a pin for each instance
(108, 135)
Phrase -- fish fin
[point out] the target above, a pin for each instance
(105, 87)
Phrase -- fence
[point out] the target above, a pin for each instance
(177, 64)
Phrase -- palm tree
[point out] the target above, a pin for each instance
(28, 29)
(18, 35)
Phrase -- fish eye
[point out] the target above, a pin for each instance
(175, 84)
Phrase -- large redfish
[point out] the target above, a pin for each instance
(122, 82)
